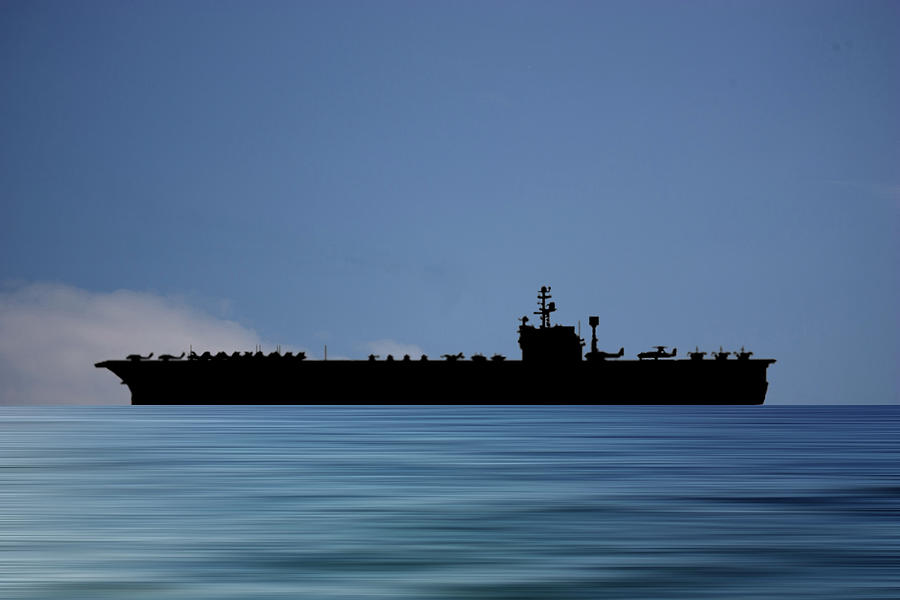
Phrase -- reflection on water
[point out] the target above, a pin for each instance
(449, 502)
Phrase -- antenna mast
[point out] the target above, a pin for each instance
(546, 308)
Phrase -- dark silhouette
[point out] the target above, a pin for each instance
(545, 343)
(601, 355)
(552, 369)
(696, 354)
(660, 352)
(595, 354)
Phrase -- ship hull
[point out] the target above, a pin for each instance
(264, 381)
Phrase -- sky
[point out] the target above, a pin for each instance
(403, 177)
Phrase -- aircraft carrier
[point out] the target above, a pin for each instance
(553, 369)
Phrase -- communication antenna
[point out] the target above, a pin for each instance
(546, 308)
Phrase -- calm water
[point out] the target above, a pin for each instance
(426, 503)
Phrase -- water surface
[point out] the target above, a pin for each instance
(154, 502)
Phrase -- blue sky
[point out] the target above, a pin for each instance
(374, 175)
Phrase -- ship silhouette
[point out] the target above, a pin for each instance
(553, 369)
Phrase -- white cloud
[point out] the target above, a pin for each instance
(396, 349)
(51, 335)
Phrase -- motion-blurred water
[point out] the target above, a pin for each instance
(145, 502)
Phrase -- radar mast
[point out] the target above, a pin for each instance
(546, 308)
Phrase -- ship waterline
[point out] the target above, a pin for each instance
(282, 381)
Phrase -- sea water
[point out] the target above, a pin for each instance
(144, 502)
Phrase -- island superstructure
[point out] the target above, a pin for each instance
(553, 369)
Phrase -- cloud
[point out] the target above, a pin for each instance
(396, 349)
(51, 335)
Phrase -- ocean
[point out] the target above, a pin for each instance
(424, 502)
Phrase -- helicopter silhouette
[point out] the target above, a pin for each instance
(660, 352)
